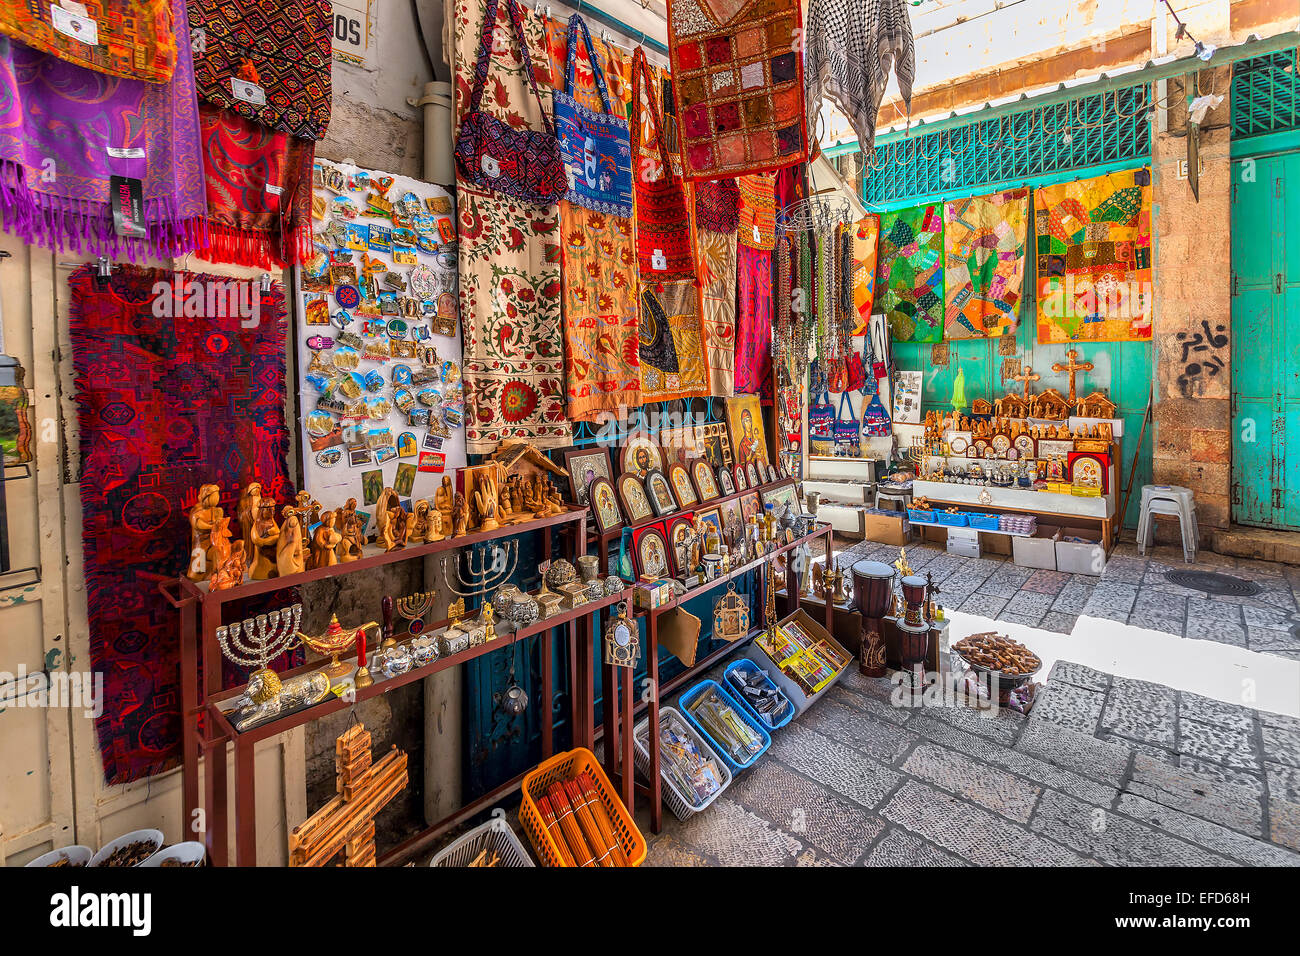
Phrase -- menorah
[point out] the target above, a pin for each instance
(484, 577)
(257, 641)
(414, 607)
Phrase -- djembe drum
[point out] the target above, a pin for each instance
(913, 630)
(873, 592)
(914, 599)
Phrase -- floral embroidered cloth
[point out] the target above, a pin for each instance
(510, 289)
(738, 83)
(909, 279)
(984, 253)
(133, 39)
(1093, 265)
(267, 60)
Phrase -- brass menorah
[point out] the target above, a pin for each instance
(414, 607)
(484, 577)
(257, 641)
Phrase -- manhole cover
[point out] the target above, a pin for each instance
(1212, 583)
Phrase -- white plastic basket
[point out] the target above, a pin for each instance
(495, 836)
(677, 802)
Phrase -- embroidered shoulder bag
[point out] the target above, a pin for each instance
(492, 154)
(821, 418)
(596, 147)
(663, 235)
(845, 430)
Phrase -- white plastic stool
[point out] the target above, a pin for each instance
(902, 497)
(1174, 501)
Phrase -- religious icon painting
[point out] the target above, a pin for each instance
(631, 493)
(749, 506)
(704, 481)
(640, 455)
(733, 523)
(604, 505)
(660, 493)
(741, 481)
(780, 496)
(584, 466)
(650, 550)
(726, 482)
(752, 476)
(681, 483)
(681, 539)
(745, 420)
(711, 517)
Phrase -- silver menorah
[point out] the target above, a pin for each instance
(483, 576)
(257, 641)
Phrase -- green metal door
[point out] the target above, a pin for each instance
(1265, 341)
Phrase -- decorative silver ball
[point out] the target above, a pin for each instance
(560, 573)
(614, 584)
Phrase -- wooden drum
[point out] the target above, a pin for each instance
(873, 592)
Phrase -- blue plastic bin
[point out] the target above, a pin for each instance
(920, 516)
(950, 520)
(983, 522)
(687, 699)
(745, 662)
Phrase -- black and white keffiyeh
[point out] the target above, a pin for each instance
(852, 47)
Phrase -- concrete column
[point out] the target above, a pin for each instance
(1193, 307)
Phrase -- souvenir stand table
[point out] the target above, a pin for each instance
(1063, 508)
(208, 728)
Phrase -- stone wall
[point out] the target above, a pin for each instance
(1193, 309)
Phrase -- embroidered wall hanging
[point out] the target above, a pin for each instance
(1093, 246)
(716, 255)
(66, 132)
(597, 253)
(510, 287)
(267, 60)
(909, 279)
(165, 404)
(866, 233)
(259, 191)
(984, 255)
(133, 39)
(738, 83)
(757, 214)
(754, 320)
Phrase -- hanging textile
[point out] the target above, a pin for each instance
(866, 234)
(673, 362)
(267, 60)
(259, 192)
(131, 39)
(1093, 245)
(67, 132)
(984, 256)
(738, 83)
(754, 326)
(716, 252)
(598, 259)
(909, 280)
(165, 404)
(852, 46)
(510, 288)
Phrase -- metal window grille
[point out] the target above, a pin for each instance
(1266, 94)
(1106, 127)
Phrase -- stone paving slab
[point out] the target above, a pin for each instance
(831, 763)
(904, 848)
(960, 775)
(1204, 833)
(1223, 803)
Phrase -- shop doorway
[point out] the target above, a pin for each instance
(1266, 341)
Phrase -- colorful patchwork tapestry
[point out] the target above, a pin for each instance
(510, 286)
(72, 139)
(267, 60)
(716, 255)
(909, 278)
(259, 191)
(166, 403)
(133, 39)
(984, 256)
(738, 83)
(866, 233)
(598, 260)
(1093, 259)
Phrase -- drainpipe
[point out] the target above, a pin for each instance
(437, 105)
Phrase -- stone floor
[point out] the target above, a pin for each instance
(1132, 590)
(1103, 772)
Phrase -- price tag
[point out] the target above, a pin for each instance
(658, 260)
(275, 190)
(247, 92)
(75, 24)
(758, 236)
(128, 207)
(125, 152)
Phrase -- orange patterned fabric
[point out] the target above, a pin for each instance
(134, 39)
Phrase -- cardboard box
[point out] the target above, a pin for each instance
(995, 542)
(886, 528)
(964, 541)
(1038, 551)
(653, 593)
(793, 691)
(1079, 557)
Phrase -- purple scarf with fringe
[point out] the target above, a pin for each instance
(66, 130)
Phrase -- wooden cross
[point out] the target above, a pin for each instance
(1027, 376)
(1072, 368)
(347, 822)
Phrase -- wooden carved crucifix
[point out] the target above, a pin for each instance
(1072, 367)
(347, 822)
(1026, 376)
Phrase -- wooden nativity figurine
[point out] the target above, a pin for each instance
(264, 536)
(232, 569)
(247, 511)
(325, 541)
(459, 516)
(205, 517)
(289, 549)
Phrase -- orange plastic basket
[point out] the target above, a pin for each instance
(567, 766)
